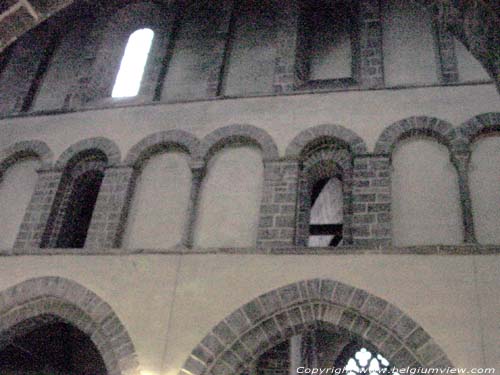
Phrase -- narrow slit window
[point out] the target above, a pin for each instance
(128, 80)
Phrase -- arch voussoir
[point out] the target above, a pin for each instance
(39, 301)
(292, 309)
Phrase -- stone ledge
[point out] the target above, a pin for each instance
(291, 250)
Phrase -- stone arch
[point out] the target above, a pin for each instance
(106, 146)
(322, 164)
(34, 302)
(19, 150)
(269, 319)
(475, 23)
(149, 145)
(327, 132)
(238, 133)
(433, 127)
(479, 125)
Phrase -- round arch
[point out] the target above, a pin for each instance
(19, 150)
(433, 127)
(36, 302)
(106, 146)
(149, 145)
(275, 316)
(479, 125)
(238, 133)
(335, 133)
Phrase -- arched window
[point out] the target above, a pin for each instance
(74, 204)
(325, 190)
(128, 80)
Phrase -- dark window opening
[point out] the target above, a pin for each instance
(326, 215)
(81, 203)
(53, 349)
(328, 50)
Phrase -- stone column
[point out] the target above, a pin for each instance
(371, 52)
(110, 209)
(198, 173)
(36, 219)
(461, 162)
(218, 58)
(279, 204)
(447, 57)
(371, 197)
(295, 354)
(287, 26)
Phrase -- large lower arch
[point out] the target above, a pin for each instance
(244, 335)
(35, 302)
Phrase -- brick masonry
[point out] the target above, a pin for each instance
(278, 208)
(371, 52)
(38, 212)
(110, 209)
(240, 339)
(371, 199)
(285, 79)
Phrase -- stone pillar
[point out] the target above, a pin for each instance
(21, 71)
(287, 26)
(371, 197)
(279, 204)
(371, 52)
(219, 52)
(447, 57)
(295, 354)
(461, 162)
(198, 173)
(37, 215)
(110, 209)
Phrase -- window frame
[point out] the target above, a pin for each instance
(321, 162)
(302, 55)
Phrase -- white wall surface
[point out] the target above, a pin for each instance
(254, 41)
(425, 196)
(469, 69)
(230, 199)
(16, 188)
(409, 45)
(484, 180)
(161, 197)
(283, 117)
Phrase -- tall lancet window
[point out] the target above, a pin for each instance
(128, 80)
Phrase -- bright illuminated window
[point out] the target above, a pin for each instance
(128, 80)
(364, 362)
